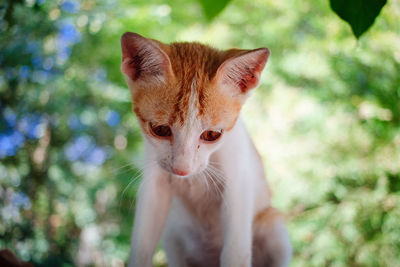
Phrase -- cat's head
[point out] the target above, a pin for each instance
(187, 96)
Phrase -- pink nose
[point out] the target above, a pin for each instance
(180, 172)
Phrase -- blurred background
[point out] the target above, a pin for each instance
(326, 119)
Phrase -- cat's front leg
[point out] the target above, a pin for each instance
(153, 202)
(237, 215)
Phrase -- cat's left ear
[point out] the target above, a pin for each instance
(242, 72)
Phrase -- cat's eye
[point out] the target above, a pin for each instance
(210, 135)
(163, 131)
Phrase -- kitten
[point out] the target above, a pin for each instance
(206, 193)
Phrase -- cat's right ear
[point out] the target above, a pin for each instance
(143, 59)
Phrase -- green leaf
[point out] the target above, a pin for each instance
(212, 8)
(360, 14)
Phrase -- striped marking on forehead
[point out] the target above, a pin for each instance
(194, 96)
(193, 111)
(193, 65)
(191, 94)
(186, 108)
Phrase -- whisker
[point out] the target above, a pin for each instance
(132, 165)
(217, 191)
(206, 177)
(219, 178)
(117, 170)
(143, 181)
(132, 181)
(215, 164)
(135, 178)
(216, 182)
(133, 200)
(219, 175)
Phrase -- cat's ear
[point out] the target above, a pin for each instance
(242, 72)
(143, 59)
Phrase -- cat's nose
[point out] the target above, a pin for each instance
(180, 172)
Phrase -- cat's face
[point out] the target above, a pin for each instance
(187, 96)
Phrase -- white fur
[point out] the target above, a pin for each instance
(239, 162)
(230, 231)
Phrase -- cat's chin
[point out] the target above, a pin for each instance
(188, 176)
(183, 175)
(176, 176)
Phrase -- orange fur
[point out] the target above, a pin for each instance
(265, 226)
(168, 102)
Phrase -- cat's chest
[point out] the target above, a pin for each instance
(202, 199)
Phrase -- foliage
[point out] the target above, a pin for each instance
(58, 128)
(325, 118)
(213, 8)
(359, 14)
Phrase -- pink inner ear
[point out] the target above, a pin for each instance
(249, 79)
(142, 63)
(244, 71)
(131, 68)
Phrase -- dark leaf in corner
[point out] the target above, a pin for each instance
(212, 8)
(360, 14)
